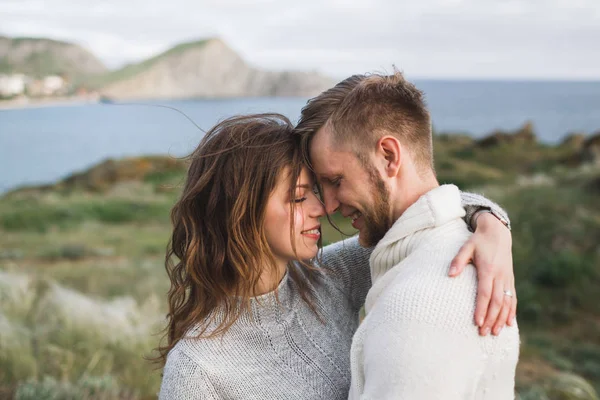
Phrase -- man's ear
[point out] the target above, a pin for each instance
(391, 149)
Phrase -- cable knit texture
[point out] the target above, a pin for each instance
(418, 340)
(281, 350)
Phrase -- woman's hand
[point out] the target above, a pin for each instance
(490, 250)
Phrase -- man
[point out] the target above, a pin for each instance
(369, 142)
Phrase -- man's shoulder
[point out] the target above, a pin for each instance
(449, 234)
(423, 290)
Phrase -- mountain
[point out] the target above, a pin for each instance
(207, 68)
(39, 57)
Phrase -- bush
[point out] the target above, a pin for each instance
(555, 252)
(42, 217)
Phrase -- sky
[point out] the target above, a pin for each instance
(440, 39)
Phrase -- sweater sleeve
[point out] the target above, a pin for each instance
(183, 379)
(348, 263)
(472, 202)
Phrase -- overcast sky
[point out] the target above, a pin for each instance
(541, 39)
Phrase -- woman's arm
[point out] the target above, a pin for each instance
(349, 264)
(490, 250)
(473, 202)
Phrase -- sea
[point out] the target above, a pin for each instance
(41, 145)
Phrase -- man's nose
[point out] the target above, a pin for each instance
(331, 202)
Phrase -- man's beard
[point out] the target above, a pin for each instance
(377, 220)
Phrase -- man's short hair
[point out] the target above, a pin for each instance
(363, 108)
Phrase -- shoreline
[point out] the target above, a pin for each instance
(31, 103)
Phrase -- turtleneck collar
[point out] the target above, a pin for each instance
(435, 208)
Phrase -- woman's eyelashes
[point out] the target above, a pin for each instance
(299, 197)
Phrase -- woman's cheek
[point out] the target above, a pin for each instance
(299, 219)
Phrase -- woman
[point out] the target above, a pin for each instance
(248, 318)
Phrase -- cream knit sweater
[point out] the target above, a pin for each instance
(418, 340)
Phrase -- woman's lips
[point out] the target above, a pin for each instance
(314, 233)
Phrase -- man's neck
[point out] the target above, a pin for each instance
(411, 187)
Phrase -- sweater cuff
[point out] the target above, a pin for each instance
(473, 202)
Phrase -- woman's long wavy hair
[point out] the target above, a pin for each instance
(218, 248)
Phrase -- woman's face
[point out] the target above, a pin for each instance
(307, 228)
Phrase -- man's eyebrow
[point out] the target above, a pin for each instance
(304, 186)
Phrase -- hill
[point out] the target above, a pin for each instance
(206, 68)
(39, 57)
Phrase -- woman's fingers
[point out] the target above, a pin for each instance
(462, 259)
(496, 303)
(485, 288)
(503, 316)
(512, 315)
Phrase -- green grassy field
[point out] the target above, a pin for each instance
(82, 281)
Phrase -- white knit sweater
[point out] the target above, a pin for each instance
(418, 340)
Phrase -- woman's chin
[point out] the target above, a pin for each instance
(308, 252)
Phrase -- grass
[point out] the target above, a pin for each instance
(53, 331)
(88, 387)
(82, 296)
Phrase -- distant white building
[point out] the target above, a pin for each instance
(53, 84)
(12, 85)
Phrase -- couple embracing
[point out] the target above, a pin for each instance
(259, 310)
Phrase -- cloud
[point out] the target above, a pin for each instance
(433, 38)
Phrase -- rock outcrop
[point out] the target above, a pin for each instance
(111, 172)
(523, 135)
(573, 141)
(590, 149)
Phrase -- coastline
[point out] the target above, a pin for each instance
(29, 103)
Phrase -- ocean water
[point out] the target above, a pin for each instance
(41, 145)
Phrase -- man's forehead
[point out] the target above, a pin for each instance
(323, 138)
(321, 145)
(325, 156)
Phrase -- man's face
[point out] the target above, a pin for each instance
(356, 190)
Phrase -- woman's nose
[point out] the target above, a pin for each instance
(317, 209)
